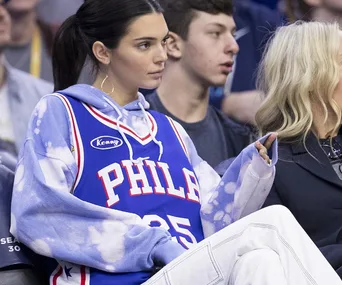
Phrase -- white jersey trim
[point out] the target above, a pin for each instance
(113, 124)
(77, 145)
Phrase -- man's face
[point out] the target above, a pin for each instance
(20, 6)
(209, 50)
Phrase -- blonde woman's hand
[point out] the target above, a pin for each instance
(263, 148)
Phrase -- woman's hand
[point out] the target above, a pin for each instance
(263, 148)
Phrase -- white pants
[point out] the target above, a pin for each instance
(265, 248)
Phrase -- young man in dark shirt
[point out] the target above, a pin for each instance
(201, 49)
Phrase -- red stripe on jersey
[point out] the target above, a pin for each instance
(179, 137)
(59, 273)
(128, 129)
(75, 132)
(83, 275)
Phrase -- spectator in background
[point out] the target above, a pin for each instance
(255, 24)
(19, 93)
(31, 40)
(201, 50)
(314, 10)
(55, 12)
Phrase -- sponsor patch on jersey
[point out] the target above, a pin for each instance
(106, 142)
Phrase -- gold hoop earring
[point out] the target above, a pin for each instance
(103, 82)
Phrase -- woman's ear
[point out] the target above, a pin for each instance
(101, 53)
(174, 46)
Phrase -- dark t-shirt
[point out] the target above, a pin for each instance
(216, 138)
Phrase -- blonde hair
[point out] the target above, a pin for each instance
(299, 72)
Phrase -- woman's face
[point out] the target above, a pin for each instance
(338, 91)
(139, 60)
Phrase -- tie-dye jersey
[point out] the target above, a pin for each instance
(50, 219)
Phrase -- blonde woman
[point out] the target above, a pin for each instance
(301, 77)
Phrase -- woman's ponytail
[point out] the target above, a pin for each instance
(106, 21)
(68, 54)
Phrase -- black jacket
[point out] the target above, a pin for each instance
(309, 187)
(15, 265)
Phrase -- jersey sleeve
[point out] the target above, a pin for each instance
(51, 221)
(242, 189)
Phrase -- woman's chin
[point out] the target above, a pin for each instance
(151, 84)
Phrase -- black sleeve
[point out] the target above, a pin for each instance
(11, 251)
(16, 267)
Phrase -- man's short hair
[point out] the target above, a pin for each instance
(180, 13)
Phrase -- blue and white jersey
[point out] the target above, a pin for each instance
(162, 192)
(111, 191)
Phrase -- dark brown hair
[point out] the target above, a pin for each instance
(106, 21)
(180, 13)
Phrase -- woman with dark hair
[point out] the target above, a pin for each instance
(111, 192)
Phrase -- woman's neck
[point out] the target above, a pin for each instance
(324, 130)
(118, 92)
(23, 27)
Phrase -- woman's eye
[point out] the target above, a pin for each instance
(144, 46)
